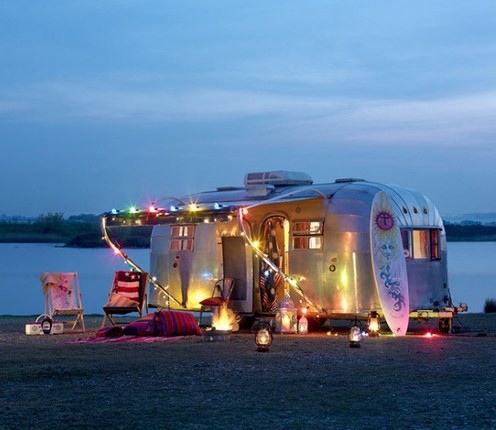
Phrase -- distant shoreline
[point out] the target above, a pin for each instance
(88, 235)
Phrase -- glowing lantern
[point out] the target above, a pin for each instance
(355, 336)
(286, 316)
(303, 322)
(263, 337)
(374, 323)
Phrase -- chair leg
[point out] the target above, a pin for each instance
(103, 321)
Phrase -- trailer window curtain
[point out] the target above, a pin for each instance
(421, 244)
(307, 234)
(182, 238)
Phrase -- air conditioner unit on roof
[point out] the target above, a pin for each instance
(277, 178)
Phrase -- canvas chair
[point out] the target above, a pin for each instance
(221, 294)
(127, 295)
(63, 298)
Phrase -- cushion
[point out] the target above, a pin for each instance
(212, 301)
(137, 328)
(119, 301)
(113, 331)
(164, 323)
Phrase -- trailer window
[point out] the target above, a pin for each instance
(182, 238)
(435, 254)
(407, 243)
(420, 244)
(307, 235)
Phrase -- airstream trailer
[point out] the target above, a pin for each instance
(331, 247)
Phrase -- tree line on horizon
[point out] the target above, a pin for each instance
(84, 231)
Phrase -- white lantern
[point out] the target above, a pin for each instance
(303, 322)
(355, 336)
(286, 316)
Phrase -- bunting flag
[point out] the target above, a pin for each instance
(270, 281)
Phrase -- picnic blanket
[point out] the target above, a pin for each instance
(124, 339)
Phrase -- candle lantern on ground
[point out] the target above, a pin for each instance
(373, 323)
(286, 316)
(303, 322)
(355, 335)
(263, 337)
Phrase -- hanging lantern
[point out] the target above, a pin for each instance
(355, 336)
(263, 337)
(303, 322)
(286, 316)
(373, 323)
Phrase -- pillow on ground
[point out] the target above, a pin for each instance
(164, 323)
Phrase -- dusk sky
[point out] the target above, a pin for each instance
(104, 104)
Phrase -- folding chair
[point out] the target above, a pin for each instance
(127, 295)
(63, 297)
(221, 294)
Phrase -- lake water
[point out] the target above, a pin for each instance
(471, 265)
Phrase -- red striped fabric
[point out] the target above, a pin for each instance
(128, 289)
(176, 323)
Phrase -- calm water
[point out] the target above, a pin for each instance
(472, 273)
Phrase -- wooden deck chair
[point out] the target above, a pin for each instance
(127, 295)
(221, 293)
(63, 298)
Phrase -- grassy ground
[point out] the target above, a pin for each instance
(304, 382)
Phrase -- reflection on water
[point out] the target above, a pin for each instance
(22, 265)
(472, 273)
(471, 265)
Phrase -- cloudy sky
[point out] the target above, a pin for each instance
(104, 104)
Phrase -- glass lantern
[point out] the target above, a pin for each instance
(286, 316)
(263, 337)
(355, 335)
(373, 323)
(303, 322)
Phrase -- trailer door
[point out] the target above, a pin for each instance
(237, 262)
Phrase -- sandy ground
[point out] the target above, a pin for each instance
(303, 382)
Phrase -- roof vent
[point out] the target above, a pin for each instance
(277, 178)
(341, 180)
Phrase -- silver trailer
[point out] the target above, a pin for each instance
(281, 234)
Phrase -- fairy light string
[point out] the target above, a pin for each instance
(130, 262)
(291, 280)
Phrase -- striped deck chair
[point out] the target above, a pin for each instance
(127, 295)
(63, 298)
